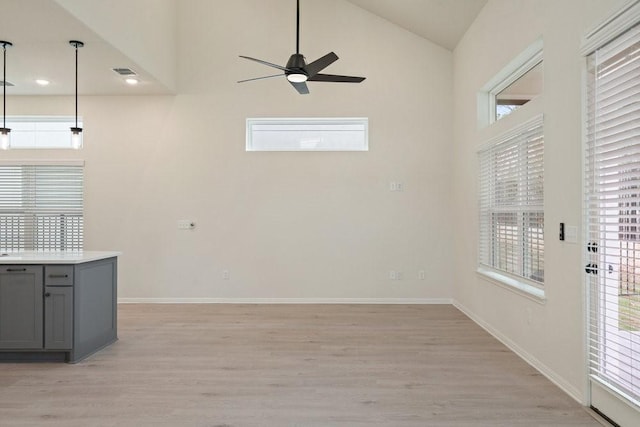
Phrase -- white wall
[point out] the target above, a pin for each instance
(550, 335)
(286, 225)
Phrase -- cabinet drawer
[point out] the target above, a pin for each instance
(58, 275)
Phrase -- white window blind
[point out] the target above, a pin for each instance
(612, 217)
(512, 203)
(41, 207)
(308, 134)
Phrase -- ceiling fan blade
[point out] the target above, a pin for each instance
(320, 64)
(260, 78)
(300, 87)
(279, 67)
(334, 78)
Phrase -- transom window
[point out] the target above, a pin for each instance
(41, 132)
(308, 134)
(519, 92)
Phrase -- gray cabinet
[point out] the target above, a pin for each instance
(58, 307)
(57, 312)
(21, 307)
(58, 317)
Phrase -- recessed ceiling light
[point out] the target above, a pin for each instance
(42, 82)
(131, 81)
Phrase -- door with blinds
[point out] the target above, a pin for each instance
(612, 226)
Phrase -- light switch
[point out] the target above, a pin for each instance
(186, 224)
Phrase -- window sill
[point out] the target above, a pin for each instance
(514, 285)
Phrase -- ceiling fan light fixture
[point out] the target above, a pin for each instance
(298, 72)
(297, 77)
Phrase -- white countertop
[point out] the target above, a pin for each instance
(35, 257)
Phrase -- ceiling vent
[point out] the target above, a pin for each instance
(9, 84)
(125, 71)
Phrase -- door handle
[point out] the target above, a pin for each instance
(47, 294)
(16, 269)
(58, 276)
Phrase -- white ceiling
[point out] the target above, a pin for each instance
(444, 22)
(41, 29)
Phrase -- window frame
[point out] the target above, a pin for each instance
(13, 121)
(319, 121)
(519, 140)
(518, 67)
(529, 65)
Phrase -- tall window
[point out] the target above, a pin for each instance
(512, 204)
(612, 202)
(41, 207)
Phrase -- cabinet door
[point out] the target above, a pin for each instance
(58, 317)
(20, 307)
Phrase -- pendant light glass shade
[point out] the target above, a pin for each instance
(76, 138)
(76, 132)
(5, 133)
(5, 138)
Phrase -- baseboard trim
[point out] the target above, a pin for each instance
(285, 301)
(549, 373)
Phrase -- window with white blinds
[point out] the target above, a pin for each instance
(41, 207)
(612, 217)
(512, 204)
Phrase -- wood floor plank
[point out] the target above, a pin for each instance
(289, 365)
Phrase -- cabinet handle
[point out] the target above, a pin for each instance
(16, 269)
(58, 276)
(47, 294)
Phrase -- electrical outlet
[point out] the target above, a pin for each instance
(395, 275)
(226, 275)
(422, 274)
(396, 186)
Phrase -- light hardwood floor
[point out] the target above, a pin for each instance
(289, 365)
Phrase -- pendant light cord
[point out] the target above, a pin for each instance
(76, 85)
(4, 86)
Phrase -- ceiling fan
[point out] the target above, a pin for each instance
(298, 72)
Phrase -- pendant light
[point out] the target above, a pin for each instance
(5, 141)
(76, 132)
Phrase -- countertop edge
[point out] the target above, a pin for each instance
(14, 258)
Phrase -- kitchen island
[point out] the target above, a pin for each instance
(57, 306)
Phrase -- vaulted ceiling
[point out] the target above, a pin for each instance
(444, 22)
(41, 29)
